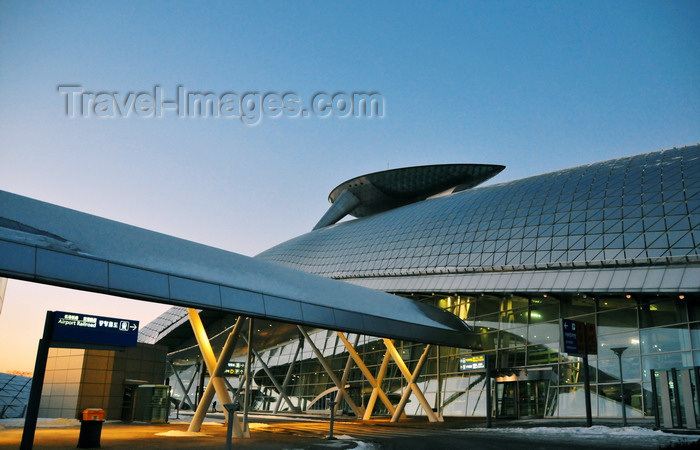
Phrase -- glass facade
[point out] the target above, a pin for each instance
(654, 328)
(522, 339)
(614, 244)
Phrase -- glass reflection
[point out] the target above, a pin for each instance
(659, 313)
(669, 339)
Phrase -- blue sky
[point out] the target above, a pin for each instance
(536, 86)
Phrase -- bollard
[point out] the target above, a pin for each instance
(332, 403)
(91, 428)
(235, 428)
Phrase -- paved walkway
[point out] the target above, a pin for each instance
(301, 432)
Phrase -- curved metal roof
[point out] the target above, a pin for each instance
(50, 244)
(14, 395)
(626, 223)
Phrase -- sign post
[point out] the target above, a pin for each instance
(32, 415)
(580, 340)
(586, 379)
(489, 396)
(72, 330)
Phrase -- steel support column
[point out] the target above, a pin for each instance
(438, 389)
(344, 381)
(288, 377)
(412, 386)
(247, 395)
(267, 370)
(215, 373)
(191, 383)
(186, 397)
(376, 388)
(359, 412)
(375, 391)
(208, 357)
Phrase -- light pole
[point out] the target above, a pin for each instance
(332, 403)
(618, 351)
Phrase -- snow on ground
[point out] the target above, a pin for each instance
(624, 435)
(177, 422)
(365, 446)
(595, 430)
(294, 418)
(341, 442)
(257, 426)
(45, 423)
(598, 430)
(187, 415)
(598, 433)
(175, 433)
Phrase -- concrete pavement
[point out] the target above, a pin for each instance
(300, 432)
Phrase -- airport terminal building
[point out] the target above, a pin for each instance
(481, 277)
(615, 244)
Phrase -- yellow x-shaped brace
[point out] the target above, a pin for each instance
(377, 391)
(412, 386)
(374, 382)
(213, 366)
(358, 410)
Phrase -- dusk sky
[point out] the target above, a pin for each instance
(535, 86)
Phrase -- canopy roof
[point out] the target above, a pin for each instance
(50, 244)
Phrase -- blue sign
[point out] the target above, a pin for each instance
(571, 340)
(88, 329)
(580, 338)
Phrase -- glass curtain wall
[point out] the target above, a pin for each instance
(521, 336)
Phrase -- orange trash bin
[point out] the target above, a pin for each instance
(91, 428)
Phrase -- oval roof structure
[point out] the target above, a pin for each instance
(389, 189)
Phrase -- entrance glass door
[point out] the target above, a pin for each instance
(521, 399)
(506, 400)
(532, 398)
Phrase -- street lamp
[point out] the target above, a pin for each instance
(332, 403)
(618, 351)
